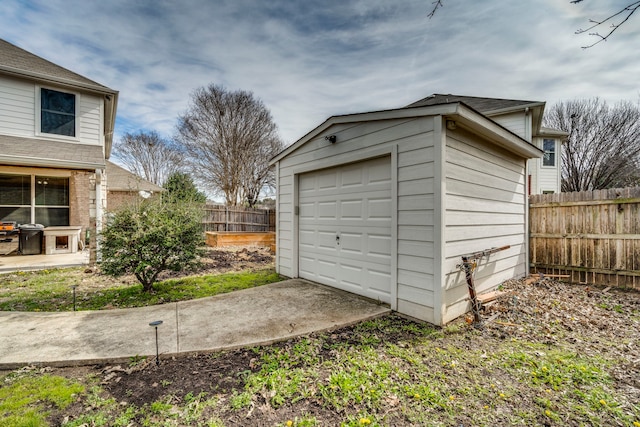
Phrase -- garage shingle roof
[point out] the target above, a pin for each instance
(483, 105)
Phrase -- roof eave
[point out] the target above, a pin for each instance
(458, 111)
(478, 123)
(363, 117)
(49, 163)
(552, 132)
(514, 108)
(56, 80)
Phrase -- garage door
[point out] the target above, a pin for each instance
(344, 227)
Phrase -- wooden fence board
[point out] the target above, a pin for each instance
(593, 236)
(233, 218)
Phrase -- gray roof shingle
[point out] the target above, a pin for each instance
(47, 153)
(483, 105)
(120, 179)
(14, 60)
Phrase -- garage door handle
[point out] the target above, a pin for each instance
(337, 239)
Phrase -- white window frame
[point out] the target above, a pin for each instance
(38, 117)
(555, 153)
(32, 193)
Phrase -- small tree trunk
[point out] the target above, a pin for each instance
(147, 284)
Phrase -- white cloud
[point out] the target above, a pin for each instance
(308, 61)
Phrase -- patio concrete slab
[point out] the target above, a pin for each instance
(11, 263)
(256, 316)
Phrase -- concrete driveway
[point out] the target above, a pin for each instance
(261, 315)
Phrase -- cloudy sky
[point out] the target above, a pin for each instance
(308, 60)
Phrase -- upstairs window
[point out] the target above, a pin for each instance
(57, 112)
(549, 148)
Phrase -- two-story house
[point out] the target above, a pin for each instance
(56, 130)
(524, 118)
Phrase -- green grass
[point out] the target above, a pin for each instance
(24, 399)
(50, 290)
(367, 377)
(431, 382)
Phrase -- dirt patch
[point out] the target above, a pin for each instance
(552, 316)
(225, 260)
(597, 321)
(217, 373)
(213, 261)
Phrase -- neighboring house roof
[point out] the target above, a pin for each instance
(17, 62)
(120, 179)
(545, 131)
(486, 106)
(458, 111)
(489, 106)
(20, 151)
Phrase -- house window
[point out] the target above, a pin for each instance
(34, 199)
(57, 112)
(51, 200)
(15, 198)
(549, 148)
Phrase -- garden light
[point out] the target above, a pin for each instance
(155, 324)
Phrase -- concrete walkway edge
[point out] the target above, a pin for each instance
(251, 317)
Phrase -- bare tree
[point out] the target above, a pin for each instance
(603, 147)
(230, 138)
(436, 4)
(148, 155)
(615, 21)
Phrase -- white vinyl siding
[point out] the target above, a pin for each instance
(17, 107)
(484, 208)
(545, 178)
(284, 225)
(515, 122)
(19, 110)
(90, 117)
(549, 180)
(416, 227)
(411, 142)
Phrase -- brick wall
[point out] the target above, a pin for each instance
(82, 201)
(119, 199)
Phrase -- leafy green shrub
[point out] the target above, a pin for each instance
(151, 237)
(180, 188)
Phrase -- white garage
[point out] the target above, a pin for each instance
(384, 204)
(344, 227)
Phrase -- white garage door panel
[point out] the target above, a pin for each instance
(353, 203)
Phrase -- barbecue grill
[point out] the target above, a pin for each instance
(8, 231)
(26, 239)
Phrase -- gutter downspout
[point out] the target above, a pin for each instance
(528, 125)
(527, 225)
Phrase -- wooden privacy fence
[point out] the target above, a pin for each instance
(231, 218)
(593, 236)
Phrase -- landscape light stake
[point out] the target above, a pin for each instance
(155, 324)
(74, 296)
